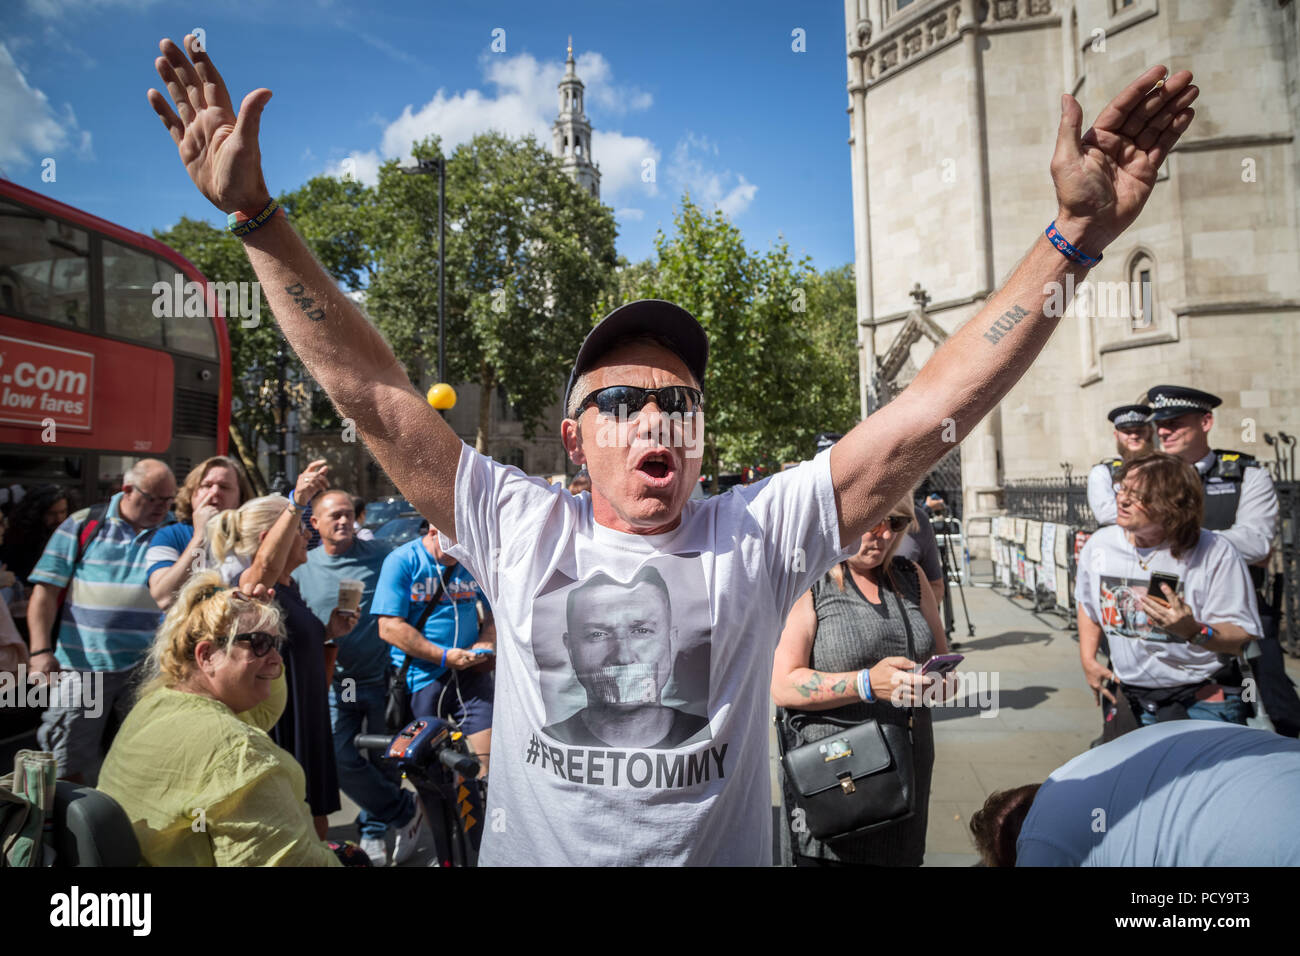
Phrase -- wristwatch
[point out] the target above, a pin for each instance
(1206, 633)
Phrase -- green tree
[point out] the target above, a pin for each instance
(528, 255)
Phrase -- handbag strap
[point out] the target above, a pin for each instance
(795, 720)
(911, 644)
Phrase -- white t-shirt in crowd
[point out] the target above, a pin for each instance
(1111, 582)
(1101, 494)
(680, 626)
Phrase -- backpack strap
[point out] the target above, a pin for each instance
(88, 531)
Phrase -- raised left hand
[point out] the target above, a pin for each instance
(1171, 616)
(1104, 177)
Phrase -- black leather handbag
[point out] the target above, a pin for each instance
(855, 781)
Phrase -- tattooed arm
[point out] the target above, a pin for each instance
(799, 687)
(1103, 179)
(339, 347)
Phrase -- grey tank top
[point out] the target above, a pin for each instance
(853, 633)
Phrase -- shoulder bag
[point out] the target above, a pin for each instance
(857, 780)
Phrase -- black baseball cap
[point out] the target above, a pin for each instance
(677, 327)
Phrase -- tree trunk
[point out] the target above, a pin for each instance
(486, 386)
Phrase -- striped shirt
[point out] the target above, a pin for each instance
(109, 618)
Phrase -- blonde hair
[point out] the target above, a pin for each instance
(903, 507)
(236, 530)
(204, 610)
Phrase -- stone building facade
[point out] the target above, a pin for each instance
(953, 111)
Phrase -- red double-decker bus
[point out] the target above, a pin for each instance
(91, 377)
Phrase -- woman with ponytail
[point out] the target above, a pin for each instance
(192, 765)
(279, 539)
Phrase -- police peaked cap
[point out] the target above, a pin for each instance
(1171, 401)
(1130, 416)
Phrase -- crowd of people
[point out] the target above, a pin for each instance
(205, 605)
(639, 633)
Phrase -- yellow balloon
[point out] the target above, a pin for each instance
(441, 396)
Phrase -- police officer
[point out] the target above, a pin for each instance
(1133, 437)
(1240, 504)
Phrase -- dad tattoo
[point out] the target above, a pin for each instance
(300, 296)
(1004, 324)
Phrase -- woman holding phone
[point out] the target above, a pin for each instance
(1175, 601)
(850, 625)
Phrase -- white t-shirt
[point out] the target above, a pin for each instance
(1101, 494)
(680, 628)
(1110, 585)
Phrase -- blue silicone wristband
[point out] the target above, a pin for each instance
(444, 657)
(1065, 248)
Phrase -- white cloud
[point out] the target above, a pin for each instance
(631, 215)
(623, 163)
(33, 128)
(522, 100)
(689, 170)
(360, 165)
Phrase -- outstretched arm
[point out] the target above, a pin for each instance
(336, 343)
(1103, 179)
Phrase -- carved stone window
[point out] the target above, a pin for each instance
(1142, 299)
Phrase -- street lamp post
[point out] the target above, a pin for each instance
(429, 167)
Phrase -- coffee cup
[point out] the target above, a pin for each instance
(350, 592)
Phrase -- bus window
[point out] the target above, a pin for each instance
(129, 277)
(189, 333)
(44, 267)
(20, 473)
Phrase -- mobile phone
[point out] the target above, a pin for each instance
(482, 650)
(1155, 592)
(942, 663)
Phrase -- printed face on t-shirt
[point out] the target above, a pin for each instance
(619, 640)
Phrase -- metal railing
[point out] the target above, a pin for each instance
(1065, 501)
(1058, 500)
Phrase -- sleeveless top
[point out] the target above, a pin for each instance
(853, 633)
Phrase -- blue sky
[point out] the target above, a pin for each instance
(713, 93)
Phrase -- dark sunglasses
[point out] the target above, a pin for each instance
(260, 643)
(671, 400)
(896, 523)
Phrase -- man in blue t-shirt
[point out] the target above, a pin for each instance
(427, 604)
(358, 692)
(447, 656)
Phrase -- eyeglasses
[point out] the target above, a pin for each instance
(150, 499)
(260, 643)
(1129, 494)
(671, 400)
(896, 523)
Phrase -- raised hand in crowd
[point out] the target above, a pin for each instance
(313, 480)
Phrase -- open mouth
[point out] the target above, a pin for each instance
(657, 468)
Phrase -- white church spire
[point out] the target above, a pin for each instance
(571, 133)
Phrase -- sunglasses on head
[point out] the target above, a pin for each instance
(896, 523)
(671, 400)
(260, 643)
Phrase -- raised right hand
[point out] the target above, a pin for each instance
(218, 148)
